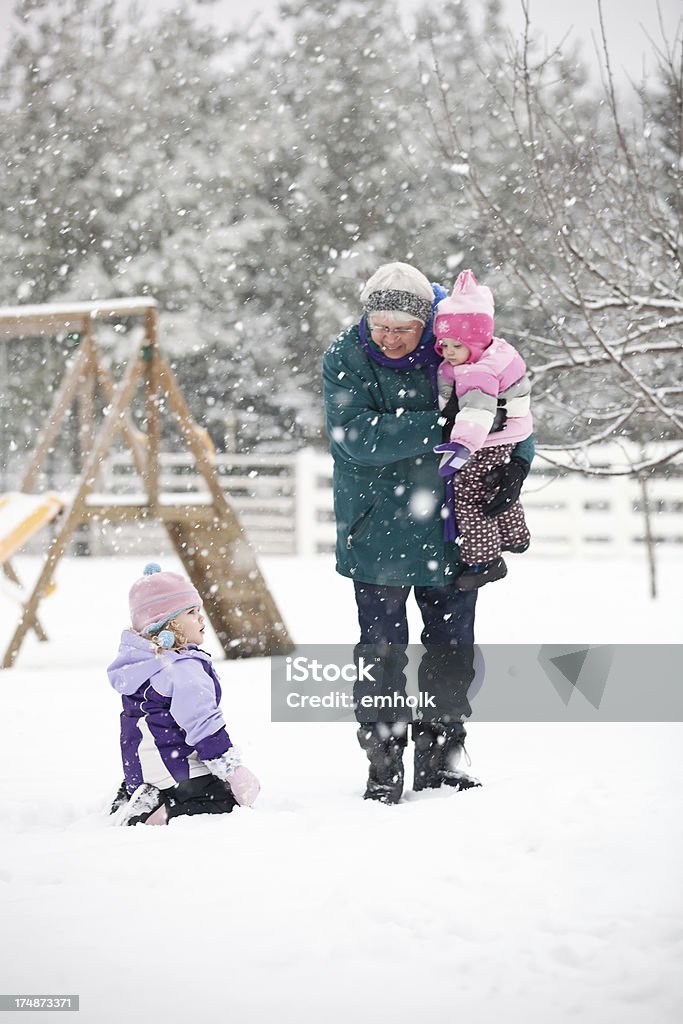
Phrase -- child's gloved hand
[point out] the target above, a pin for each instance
(454, 457)
(244, 785)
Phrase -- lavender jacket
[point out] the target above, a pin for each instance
(171, 720)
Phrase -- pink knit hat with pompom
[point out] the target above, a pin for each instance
(466, 315)
(157, 597)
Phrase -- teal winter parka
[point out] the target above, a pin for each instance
(382, 425)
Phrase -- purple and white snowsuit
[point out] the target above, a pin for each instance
(171, 720)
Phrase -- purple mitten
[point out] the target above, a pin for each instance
(244, 785)
(454, 457)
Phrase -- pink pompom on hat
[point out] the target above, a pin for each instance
(157, 597)
(466, 315)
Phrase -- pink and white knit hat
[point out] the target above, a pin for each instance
(157, 597)
(466, 315)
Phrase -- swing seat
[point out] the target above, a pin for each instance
(22, 515)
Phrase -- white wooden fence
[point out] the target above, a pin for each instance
(285, 505)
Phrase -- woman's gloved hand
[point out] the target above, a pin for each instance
(506, 482)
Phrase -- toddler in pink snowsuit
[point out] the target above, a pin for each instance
(487, 377)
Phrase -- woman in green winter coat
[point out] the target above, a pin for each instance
(383, 422)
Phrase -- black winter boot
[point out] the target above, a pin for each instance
(438, 750)
(454, 751)
(384, 744)
(429, 756)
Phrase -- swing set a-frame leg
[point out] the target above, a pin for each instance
(68, 390)
(111, 426)
(11, 575)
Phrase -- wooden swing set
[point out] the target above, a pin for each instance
(204, 530)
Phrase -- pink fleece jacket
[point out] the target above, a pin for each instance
(498, 376)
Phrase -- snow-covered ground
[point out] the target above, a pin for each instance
(552, 894)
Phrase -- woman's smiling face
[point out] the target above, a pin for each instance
(396, 340)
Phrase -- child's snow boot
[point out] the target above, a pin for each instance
(516, 549)
(475, 576)
(122, 797)
(384, 744)
(145, 800)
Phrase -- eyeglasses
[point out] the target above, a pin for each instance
(383, 331)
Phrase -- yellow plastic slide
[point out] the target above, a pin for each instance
(22, 515)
